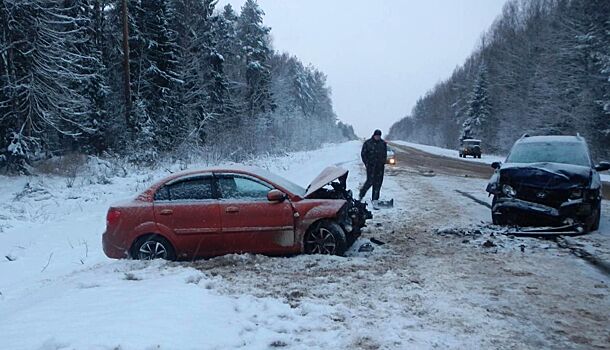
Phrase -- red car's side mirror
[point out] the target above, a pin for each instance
(276, 195)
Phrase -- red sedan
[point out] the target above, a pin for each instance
(213, 212)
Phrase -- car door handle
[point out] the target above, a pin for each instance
(232, 210)
(166, 212)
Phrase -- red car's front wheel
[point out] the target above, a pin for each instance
(326, 237)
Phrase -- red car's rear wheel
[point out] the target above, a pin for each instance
(326, 237)
(153, 247)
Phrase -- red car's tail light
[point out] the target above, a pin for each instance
(113, 216)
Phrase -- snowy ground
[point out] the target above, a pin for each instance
(437, 283)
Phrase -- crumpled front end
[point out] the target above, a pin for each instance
(332, 184)
(515, 210)
(544, 195)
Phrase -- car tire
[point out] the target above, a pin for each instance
(497, 219)
(596, 218)
(325, 237)
(153, 247)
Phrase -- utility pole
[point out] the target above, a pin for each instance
(126, 73)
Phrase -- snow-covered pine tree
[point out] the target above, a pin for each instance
(192, 72)
(593, 23)
(88, 15)
(42, 109)
(478, 113)
(223, 61)
(254, 41)
(153, 60)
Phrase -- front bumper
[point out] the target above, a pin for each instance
(536, 213)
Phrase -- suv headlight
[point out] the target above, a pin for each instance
(509, 190)
(576, 193)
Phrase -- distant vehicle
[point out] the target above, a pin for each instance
(470, 147)
(212, 212)
(391, 159)
(548, 181)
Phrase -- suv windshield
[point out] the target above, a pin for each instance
(553, 152)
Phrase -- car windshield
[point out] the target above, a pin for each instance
(553, 152)
(472, 143)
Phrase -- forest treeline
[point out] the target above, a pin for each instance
(542, 68)
(201, 78)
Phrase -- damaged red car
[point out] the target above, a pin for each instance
(212, 212)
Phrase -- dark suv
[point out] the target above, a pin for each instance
(470, 147)
(548, 181)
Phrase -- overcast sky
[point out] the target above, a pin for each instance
(379, 55)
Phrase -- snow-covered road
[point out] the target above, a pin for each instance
(437, 283)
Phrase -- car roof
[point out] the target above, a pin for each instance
(237, 169)
(551, 138)
(242, 169)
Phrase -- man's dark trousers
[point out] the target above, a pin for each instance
(374, 177)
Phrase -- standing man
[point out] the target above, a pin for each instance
(374, 155)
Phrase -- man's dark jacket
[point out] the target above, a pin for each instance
(374, 153)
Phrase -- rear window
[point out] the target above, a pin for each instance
(575, 153)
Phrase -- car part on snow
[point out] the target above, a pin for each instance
(383, 204)
(426, 172)
(366, 248)
(565, 230)
(376, 241)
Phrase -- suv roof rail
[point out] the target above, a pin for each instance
(578, 136)
(525, 135)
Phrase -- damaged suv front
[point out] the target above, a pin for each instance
(548, 181)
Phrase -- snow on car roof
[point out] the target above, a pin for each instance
(551, 138)
(471, 140)
(245, 169)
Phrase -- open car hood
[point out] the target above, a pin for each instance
(327, 176)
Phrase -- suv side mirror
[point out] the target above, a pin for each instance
(276, 195)
(602, 166)
(496, 165)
